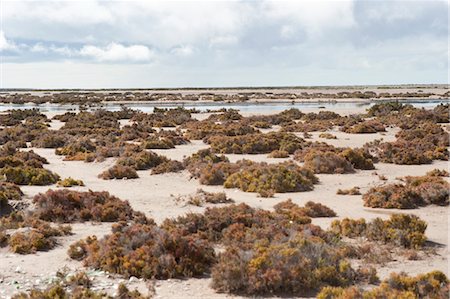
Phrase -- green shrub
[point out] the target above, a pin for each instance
(29, 176)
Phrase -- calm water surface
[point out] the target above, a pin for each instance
(244, 107)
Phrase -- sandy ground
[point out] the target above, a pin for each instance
(155, 196)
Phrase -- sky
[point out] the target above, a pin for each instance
(149, 44)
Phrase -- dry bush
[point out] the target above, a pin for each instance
(294, 266)
(71, 206)
(70, 182)
(318, 210)
(202, 197)
(430, 285)
(50, 139)
(205, 129)
(168, 166)
(76, 149)
(278, 154)
(256, 143)
(327, 136)
(352, 191)
(420, 144)
(119, 172)
(368, 126)
(147, 251)
(327, 162)
(418, 191)
(359, 158)
(282, 177)
(29, 242)
(9, 191)
(403, 230)
(29, 176)
(140, 160)
(438, 172)
(33, 234)
(158, 143)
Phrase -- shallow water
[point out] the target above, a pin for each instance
(244, 107)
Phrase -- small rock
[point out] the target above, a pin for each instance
(132, 279)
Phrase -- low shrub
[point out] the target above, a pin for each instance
(140, 160)
(158, 143)
(430, 285)
(70, 182)
(402, 230)
(278, 154)
(282, 177)
(294, 266)
(9, 191)
(418, 191)
(314, 210)
(147, 251)
(119, 172)
(31, 235)
(29, 176)
(438, 172)
(71, 206)
(368, 126)
(168, 166)
(327, 162)
(202, 197)
(359, 158)
(352, 191)
(327, 136)
(30, 242)
(256, 143)
(205, 129)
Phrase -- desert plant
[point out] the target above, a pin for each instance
(327, 162)
(69, 182)
(29, 176)
(119, 172)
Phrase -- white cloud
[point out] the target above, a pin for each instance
(117, 53)
(185, 50)
(6, 45)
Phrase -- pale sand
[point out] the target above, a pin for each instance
(154, 195)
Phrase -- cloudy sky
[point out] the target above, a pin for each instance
(101, 44)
